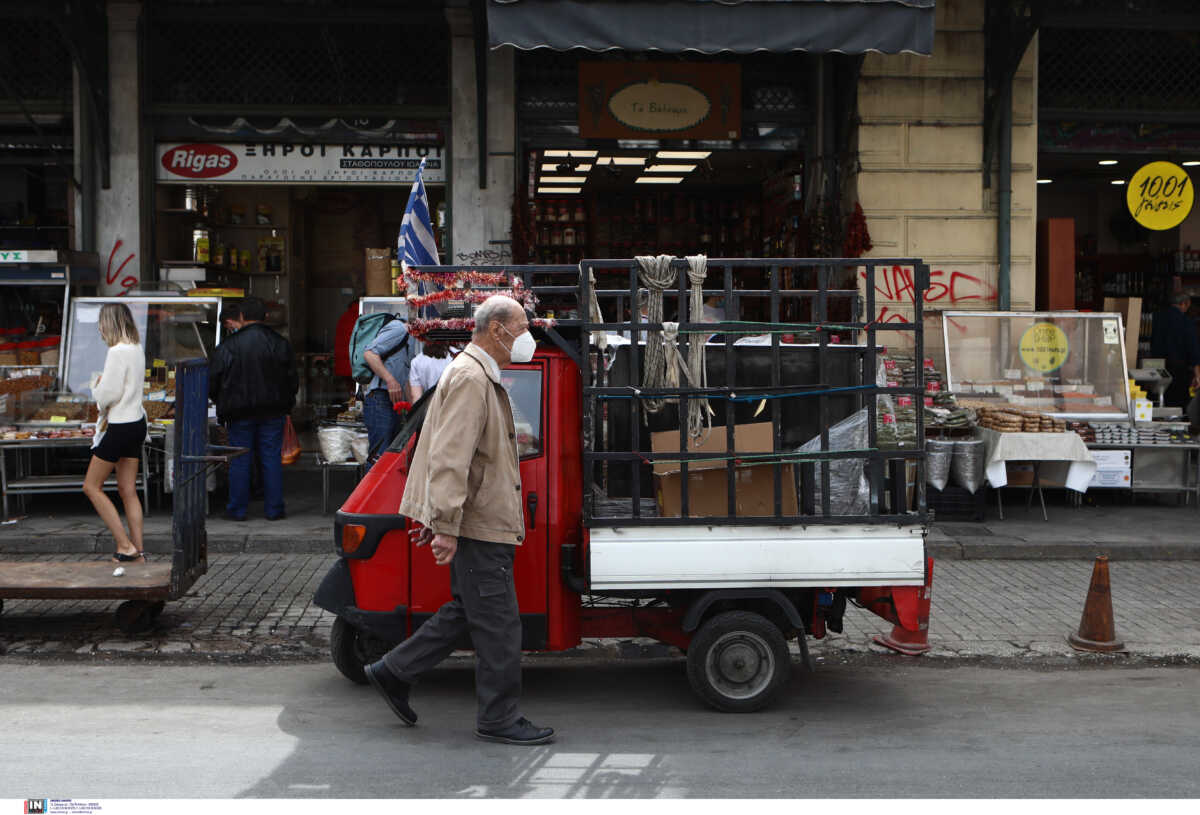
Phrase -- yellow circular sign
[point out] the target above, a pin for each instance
(1044, 347)
(1159, 195)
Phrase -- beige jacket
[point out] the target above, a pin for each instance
(464, 480)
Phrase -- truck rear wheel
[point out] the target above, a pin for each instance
(348, 646)
(738, 661)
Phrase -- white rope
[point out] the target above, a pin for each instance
(599, 338)
(697, 372)
(656, 275)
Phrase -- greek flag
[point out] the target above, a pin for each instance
(416, 246)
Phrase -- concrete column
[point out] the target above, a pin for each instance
(118, 209)
(480, 220)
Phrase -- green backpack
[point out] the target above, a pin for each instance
(366, 328)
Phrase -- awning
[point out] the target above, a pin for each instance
(714, 26)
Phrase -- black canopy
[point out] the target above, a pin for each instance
(714, 26)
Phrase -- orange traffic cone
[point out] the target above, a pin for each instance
(1096, 630)
(913, 643)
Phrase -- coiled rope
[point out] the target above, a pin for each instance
(656, 275)
(697, 372)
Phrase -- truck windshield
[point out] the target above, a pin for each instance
(524, 394)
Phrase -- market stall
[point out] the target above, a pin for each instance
(45, 438)
(1063, 376)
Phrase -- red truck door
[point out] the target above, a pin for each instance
(431, 583)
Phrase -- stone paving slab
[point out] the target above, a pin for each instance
(257, 607)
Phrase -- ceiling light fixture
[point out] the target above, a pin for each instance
(1191, 163)
(1106, 162)
(692, 154)
(558, 190)
(628, 161)
(659, 179)
(1118, 181)
(670, 168)
(1045, 181)
(570, 153)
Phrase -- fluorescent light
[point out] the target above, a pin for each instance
(553, 168)
(693, 154)
(561, 179)
(621, 160)
(1191, 163)
(1107, 161)
(569, 153)
(1118, 181)
(557, 190)
(670, 168)
(1045, 181)
(659, 179)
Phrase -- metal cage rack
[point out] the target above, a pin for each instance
(813, 384)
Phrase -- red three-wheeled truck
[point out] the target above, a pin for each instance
(714, 512)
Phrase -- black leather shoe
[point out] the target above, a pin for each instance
(522, 731)
(393, 691)
(281, 516)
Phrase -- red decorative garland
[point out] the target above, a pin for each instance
(452, 279)
(523, 296)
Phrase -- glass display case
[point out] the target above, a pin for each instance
(1065, 364)
(172, 329)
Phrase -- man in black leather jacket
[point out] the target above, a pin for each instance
(253, 381)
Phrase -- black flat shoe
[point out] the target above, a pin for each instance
(119, 557)
(393, 691)
(522, 731)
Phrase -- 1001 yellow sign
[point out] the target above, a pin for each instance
(1160, 195)
(1044, 347)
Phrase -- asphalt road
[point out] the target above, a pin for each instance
(628, 729)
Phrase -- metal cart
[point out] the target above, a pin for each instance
(145, 587)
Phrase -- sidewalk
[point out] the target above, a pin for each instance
(257, 608)
(1152, 529)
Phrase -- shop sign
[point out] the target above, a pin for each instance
(1160, 195)
(275, 163)
(1044, 347)
(28, 256)
(671, 99)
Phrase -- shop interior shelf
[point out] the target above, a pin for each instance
(200, 219)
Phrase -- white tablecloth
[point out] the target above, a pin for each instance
(1066, 450)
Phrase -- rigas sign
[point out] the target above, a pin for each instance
(291, 163)
(193, 161)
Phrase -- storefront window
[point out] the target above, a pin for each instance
(1067, 364)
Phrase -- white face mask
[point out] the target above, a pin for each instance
(523, 346)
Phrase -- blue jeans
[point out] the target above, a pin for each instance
(264, 437)
(381, 420)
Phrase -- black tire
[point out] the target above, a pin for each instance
(347, 645)
(135, 616)
(738, 661)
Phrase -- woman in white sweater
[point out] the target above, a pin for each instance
(120, 431)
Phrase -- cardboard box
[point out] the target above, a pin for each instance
(708, 480)
(1019, 475)
(1130, 309)
(379, 272)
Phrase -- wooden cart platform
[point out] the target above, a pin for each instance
(92, 580)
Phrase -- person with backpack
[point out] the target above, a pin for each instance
(381, 353)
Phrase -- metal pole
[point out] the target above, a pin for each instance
(1004, 216)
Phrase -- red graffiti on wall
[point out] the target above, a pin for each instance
(947, 288)
(111, 275)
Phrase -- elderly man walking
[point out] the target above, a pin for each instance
(464, 486)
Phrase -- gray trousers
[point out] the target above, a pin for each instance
(485, 604)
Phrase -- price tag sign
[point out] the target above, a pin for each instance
(58, 419)
(1160, 195)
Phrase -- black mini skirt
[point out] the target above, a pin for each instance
(122, 440)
